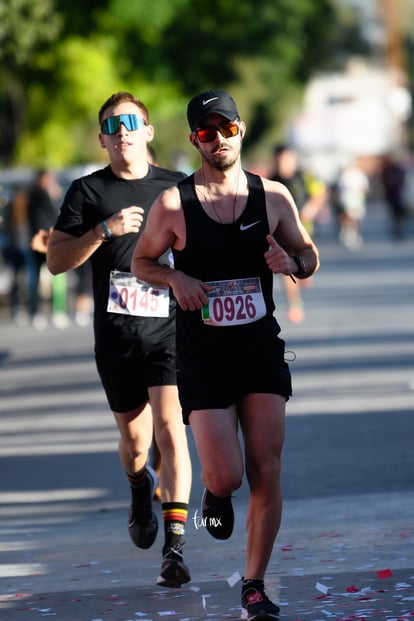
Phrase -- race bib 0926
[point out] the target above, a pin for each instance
(234, 302)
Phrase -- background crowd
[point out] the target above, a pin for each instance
(30, 295)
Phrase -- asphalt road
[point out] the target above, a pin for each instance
(345, 548)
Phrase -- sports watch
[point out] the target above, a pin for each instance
(301, 271)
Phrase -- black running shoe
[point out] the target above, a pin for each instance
(174, 572)
(256, 606)
(218, 515)
(143, 523)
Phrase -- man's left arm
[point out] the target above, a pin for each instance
(301, 261)
(291, 248)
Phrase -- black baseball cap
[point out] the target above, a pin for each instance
(211, 102)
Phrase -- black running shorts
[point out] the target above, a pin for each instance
(127, 372)
(213, 381)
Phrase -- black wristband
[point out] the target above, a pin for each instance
(301, 271)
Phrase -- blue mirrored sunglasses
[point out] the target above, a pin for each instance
(132, 122)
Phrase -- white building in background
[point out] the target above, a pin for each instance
(358, 113)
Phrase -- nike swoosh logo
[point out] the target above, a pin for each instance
(244, 227)
(206, 101)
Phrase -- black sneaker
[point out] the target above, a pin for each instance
(143, 523)
(256, 606)
(218, 515)
(174, 572)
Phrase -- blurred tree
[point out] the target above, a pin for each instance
(26, 28)
(164, 51)
(265, 50)
(83, 76)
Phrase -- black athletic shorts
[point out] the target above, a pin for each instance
(127, 372)
(213, 381)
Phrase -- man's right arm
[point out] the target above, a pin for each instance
(158, 235)
(165, 228)
(71, 241)
(66, 252)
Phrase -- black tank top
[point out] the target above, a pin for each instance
(216, 251)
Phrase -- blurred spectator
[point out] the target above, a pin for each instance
(83, 287)
(40, 240)
(83, 294)
(17, 254)
(27, 217)
(349, 195)
(408, 193)
(310, 197)
(42, 208)
(393, 181)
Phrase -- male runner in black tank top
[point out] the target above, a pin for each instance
(101, 218)
(230, 231)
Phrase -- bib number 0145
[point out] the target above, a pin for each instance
(130, 296)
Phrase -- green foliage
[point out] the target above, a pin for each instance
(164, 51)
(66, 124)
(25, 26)
(149, 21)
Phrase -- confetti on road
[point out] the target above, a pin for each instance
(234, 579)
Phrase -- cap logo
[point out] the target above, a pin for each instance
(206, 101)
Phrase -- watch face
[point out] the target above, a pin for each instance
(301, 265)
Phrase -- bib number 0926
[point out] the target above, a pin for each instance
(234, 302)
(230, 308)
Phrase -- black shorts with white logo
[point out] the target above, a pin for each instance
(216, 381)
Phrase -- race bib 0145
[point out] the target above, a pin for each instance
(130, 296)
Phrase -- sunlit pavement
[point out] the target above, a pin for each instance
(345, 548)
